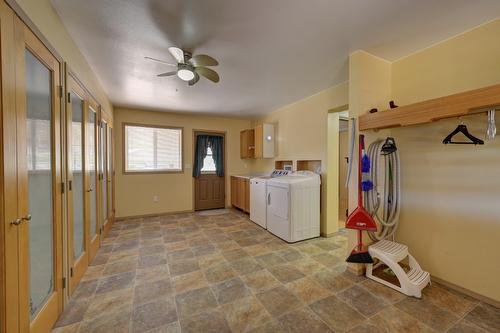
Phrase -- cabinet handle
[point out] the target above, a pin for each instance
(90, 190)
(16, 222)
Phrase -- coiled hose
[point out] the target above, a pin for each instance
(384, 206)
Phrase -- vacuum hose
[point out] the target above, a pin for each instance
(385, 206)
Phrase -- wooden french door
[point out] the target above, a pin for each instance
(78, 220)
(39, 181)
(92, 179)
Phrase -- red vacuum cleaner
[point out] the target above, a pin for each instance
(360, 219)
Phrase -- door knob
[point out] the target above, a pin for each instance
(27, 218)
(16, 222)
(89, 190)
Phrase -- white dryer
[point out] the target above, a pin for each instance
(293, 206)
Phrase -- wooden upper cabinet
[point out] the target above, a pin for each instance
(264, 141)
(257, 142)
(247, 144)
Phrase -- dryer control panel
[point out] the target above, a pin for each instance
(279, 173)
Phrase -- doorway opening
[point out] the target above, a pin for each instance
(209, 170)
(343, 165)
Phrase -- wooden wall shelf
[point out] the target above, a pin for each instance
(461, 104)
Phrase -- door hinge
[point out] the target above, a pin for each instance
(62, 187)
(346, 212)
(64, 283)
(71, 272)
(69, 97)
(60, 90)
(70, 185)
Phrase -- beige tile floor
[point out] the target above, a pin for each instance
(222, 273)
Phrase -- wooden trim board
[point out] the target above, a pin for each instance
(457, 105)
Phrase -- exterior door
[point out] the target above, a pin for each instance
(92, 191)
(78, 225)
(208, 187)
(39, 225)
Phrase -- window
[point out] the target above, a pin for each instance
(208, 162)
(152, 149)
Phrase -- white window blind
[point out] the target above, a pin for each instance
(152, 149)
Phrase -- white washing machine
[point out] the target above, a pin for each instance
(293, 206)
(258, 192)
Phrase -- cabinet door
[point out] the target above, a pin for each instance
(38, 107)
(258, 139)
(241, 193)
(247, 195)
(243, 144)
(234, 191)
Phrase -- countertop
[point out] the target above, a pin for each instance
(249, 176)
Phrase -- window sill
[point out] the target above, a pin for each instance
(153, 172)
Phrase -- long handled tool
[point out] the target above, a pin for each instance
(360, 219)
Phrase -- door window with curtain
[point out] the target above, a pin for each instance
(209, 155)
(208, 162)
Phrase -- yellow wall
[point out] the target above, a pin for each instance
(134, 193)
(50, 25)
(450, 194)
(302, 133)
(369, 87)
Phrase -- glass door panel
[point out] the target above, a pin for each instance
(104, 167)
(92, 183)
(110, 171)
(91, 167)
(77, 171)
(40, 170)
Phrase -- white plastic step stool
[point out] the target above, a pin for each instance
(390, 254)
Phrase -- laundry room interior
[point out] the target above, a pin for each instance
(175, 183)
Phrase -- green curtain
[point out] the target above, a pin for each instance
(200, 154)
(217, 144)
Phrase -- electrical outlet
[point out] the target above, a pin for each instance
(155, 198)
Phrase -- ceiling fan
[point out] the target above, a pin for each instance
(189, 67)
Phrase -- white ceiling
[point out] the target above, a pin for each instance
(271, 52)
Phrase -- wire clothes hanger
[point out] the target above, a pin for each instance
(462, 128)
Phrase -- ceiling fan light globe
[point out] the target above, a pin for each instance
(185, 74)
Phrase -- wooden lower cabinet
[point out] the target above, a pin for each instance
(240, 193)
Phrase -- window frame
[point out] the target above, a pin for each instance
(149, 172)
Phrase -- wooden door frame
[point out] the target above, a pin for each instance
(26, 39)
(94, 243)
(76, 267)
(209, 132)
